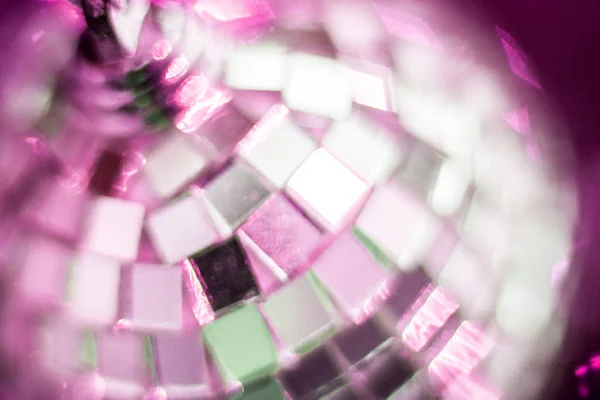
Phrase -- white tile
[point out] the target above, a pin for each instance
(299, 314)
(172, 164)
(156, 296)
(399, 224)
(94, 288)
(468, 280)
(317, 85)
(326, 188)
(370, 151)
(180, 229)
(256, 67)
(113, 228)
(277, 150)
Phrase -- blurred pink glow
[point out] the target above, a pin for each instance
(123, 325)
(192, 118)
(407, 26)
(519, 120)
(230, 10)
(470, 387)
(36, 36)
(581, 370)
(438, 307)
(517, 60)
(161, 49)
(462, 353)
(583, 390)
(200, 305)
(176, 69)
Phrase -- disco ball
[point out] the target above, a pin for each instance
(269, 199)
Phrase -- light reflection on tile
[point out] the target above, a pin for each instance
(317, 85)
(471, 386)
(94, 288)
(113, 227)
(153, 311)
(428, 320)
(349, 273)
(462, 353)
(300, 315)
(327, 189)
(172, 164)
(277, 148)
(233, 196)
(282, 233)
(364, 146)
(180, 228)
(400, 224)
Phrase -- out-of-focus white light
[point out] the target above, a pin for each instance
(466, 278)
(523, 311)
(327, 187)
(352, 25)
(449, 190)
(256, 67)
(371, 152)
(171, 19)
(317, 85)
(369, 89)
(127, 22)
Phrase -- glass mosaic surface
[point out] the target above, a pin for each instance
(274, 216)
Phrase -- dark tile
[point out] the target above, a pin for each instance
(225, 274)
(107, 170)
(385, 373)
(314, 376)
(358, 341)
(406, 290)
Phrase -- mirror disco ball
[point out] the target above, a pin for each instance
(276, 200)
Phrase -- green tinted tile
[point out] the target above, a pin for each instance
(372, 248)
(143, 101)
(136, 78)
(266, 390)
(241, 345)
(149, 357)
(157, 119)
(88, 356)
